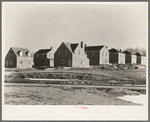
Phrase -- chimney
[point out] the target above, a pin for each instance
(51, 48)
(81, 44)
(85, 47)
(120, 50)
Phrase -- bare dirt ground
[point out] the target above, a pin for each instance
(26, 95)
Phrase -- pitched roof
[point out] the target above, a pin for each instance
(113, 50)
(94, 48)
(138, 54)
(72, 47)
(43, 51)
(127, 52)
(18, 49)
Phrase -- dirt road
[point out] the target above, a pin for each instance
(78, 86)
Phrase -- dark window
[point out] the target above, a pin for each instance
(59, 52)
(10, 62)
(66, 52)
(62, 61)
(20, 62)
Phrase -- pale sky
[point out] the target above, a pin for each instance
(40, 25)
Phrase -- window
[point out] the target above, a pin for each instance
(102, 53)
(79, 52)
(62, 61)
(37, 55)
(10, 62)
(81, 61)
(20, 62)
(106, 53)
(66, 52)
(59, 52)
(106, 61)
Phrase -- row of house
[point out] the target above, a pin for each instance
(70, 55)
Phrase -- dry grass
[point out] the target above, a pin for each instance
(26, 95)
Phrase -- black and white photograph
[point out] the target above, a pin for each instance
(75, 60)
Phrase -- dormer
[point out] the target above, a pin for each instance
(19, 53)
(27, 54)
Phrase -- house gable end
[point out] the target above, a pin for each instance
(10, 52)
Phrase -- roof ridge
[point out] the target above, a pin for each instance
(70, 43)
(19, 47)
(96, 46)
(71, 46)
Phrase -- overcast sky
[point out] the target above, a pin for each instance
(40, 25)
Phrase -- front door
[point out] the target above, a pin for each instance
(69, 62)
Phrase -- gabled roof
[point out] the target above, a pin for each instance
(114, 50)
(127, 52)
(94, 48)
(138, 54)
(43, 51)
(18, 49)
(72, 47)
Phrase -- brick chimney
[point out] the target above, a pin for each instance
(81, 44)
(85, 47)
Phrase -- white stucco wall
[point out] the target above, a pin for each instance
(79, 57)
(133, 59)
(104, 56)
(121, 58)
